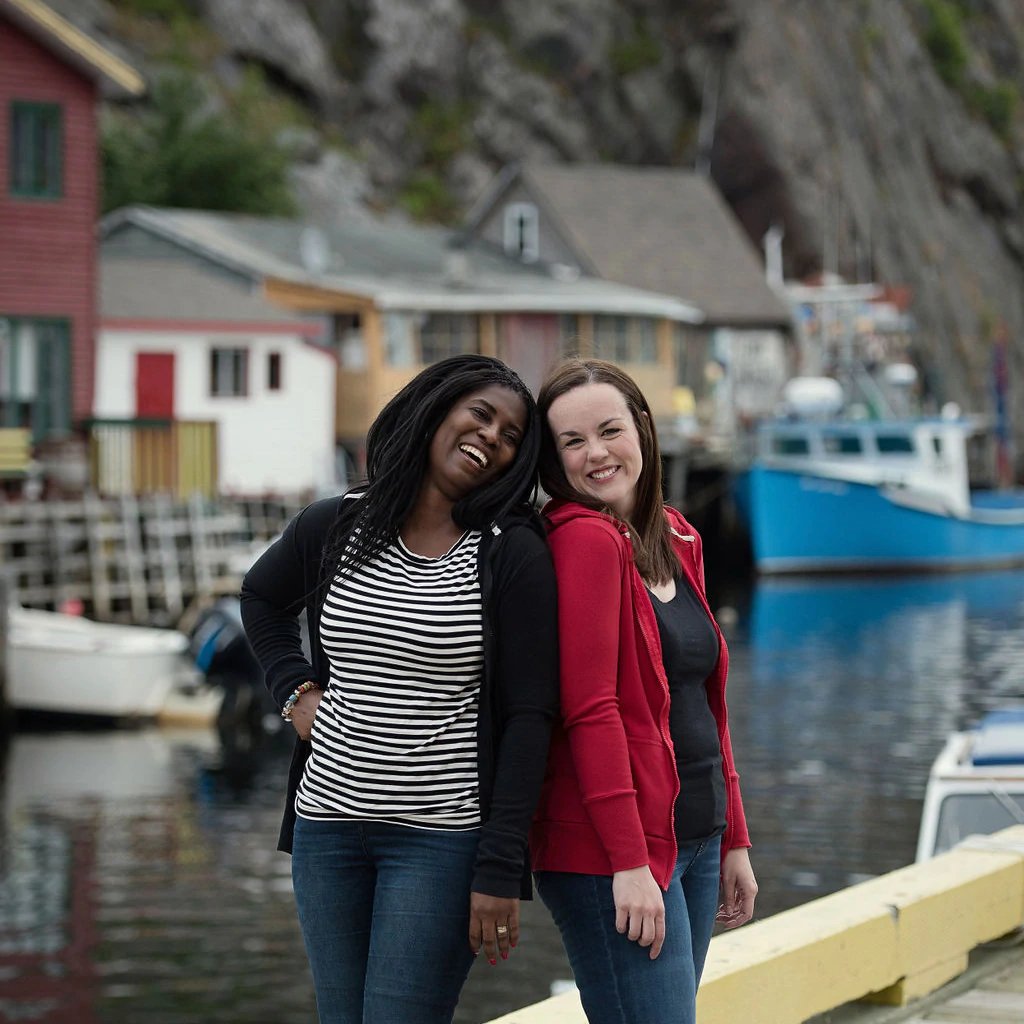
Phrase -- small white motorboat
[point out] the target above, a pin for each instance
(72, 665)
(976, 784)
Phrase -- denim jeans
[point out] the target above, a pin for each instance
(384, 911)
(618, 981)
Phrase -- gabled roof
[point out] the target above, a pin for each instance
(394, 266)
(74, 47)
(665, 229)
(168, 289)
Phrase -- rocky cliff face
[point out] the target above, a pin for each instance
(882, 134)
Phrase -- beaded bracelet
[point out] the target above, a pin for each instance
(289, 704)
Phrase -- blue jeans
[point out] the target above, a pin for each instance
(619, 983)
(384, 911)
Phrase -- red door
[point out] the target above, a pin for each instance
(530, 344)
(154, 385)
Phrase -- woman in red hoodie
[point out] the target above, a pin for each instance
(640, 826)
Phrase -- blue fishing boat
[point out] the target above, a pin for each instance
(869, 495)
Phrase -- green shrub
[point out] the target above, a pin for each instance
(442, 129)
(426, 197)
(642, 50)
(997, 105)
(945, 40)
(182, 151)
(168, 10)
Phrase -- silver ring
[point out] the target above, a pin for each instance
(502, 929)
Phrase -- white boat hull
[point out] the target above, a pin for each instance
(62, 663)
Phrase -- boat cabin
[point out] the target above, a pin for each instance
(976, 785)
(926, 457)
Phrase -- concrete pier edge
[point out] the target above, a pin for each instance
(891, 941)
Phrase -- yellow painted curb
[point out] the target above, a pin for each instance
(893, 938)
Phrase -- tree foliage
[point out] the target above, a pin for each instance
(186, 149)
(945, 40)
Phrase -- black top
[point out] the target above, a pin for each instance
(518, 694)
(689, 651)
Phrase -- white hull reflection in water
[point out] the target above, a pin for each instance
(91, 767)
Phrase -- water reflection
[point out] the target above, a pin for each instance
(841, 694)
(139, 881)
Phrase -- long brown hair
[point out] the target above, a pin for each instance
(652, 549)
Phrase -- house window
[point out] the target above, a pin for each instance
(447, 334)
(349, 341)
(625, 339)
(36, 144)
(522, 232)
(229, 372)
(569, 335)
(399, 339)
(35, 376)
(274, 371)
(690, 346)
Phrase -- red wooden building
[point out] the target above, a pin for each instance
(51, 78)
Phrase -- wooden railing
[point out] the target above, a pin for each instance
(142, 457)
(15, 451)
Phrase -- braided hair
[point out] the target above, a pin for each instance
(397, 452)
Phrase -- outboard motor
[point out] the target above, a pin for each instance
(219, 649)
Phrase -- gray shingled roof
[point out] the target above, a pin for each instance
(663, 229)
(157, 289)
(397, 266)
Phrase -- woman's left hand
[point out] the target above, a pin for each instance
(738, 889)
(493, 924)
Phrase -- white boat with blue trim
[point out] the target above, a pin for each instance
(976, 784)
(868, 495)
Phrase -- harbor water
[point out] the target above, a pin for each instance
(139, 882)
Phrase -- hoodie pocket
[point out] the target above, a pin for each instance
(654, 780)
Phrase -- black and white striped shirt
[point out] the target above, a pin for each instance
(394, 738)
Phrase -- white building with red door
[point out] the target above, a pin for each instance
(391, 297)
(196, 369)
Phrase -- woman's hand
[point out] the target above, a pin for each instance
(738, 889)
(639, 908)
(304, 711)
(494, 924)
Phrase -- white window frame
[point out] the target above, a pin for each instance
(229, 366)
(522, 232)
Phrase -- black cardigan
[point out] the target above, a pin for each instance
(518, 695)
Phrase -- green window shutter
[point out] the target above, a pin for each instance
(37, 150)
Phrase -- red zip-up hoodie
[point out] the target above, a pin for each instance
(611, 783)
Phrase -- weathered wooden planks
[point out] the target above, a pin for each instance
(131, 560)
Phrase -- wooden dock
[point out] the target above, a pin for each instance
(990, 991)
(145, 561)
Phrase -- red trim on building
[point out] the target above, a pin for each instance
(247, 327)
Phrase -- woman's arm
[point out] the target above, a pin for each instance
(589, 567)
(273, 595)
(525, 628)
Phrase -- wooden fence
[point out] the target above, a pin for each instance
(140, 457)
(142, 560)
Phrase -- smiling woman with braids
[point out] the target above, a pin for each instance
(424, 719)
